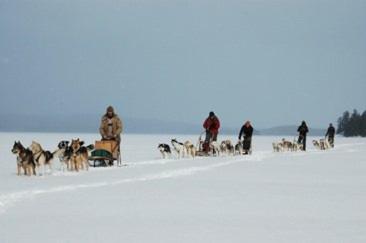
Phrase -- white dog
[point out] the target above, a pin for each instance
(41, 157)
(324, 144)
(277, 147)
(190, 149)
(215, 148)
(287, 145)
(178, 148)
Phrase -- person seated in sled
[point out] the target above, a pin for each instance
(111, 126)
(211, 125)
(246, 131)
(330, 134)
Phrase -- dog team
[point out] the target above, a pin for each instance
(300, 143)
(33, 160)
(285, 145)
(189, 150)
(74, 156)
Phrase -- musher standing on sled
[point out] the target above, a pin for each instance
(247, 131)
(330, 133)
(211, 125)
(111, 127)
(303, 130)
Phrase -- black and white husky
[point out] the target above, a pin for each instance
(178, 148)
(238, 148)
(64, 154)
(227, 147)
(165, 150)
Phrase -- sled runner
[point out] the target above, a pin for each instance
(105, 153)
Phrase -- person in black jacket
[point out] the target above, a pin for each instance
(303, 130)
(247, 131)
(330, 134)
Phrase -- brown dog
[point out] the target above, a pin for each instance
(79, 155)
(24, 159)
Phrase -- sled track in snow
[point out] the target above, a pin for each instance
(8, 200)
(11, 199)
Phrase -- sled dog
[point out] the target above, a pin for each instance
(64, 154)
(316, 144)
(165, 150)
(324, 144)
(41, 157)
(227, 147)
(287, 145)
(178, 148)
(79, 155)
(215, 148)
(239, 148)
(190, 149)
(24, 159)
(277, 147)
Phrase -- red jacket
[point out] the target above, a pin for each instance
(212, 124)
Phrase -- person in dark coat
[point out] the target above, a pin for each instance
(330, 134)
(246, 131)
(211, 125)
(303, 130)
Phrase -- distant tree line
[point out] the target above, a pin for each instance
(352, 124)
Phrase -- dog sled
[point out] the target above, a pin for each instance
(105, 153)
(243, 147)
(200, 147)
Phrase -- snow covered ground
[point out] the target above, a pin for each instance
(313, 196)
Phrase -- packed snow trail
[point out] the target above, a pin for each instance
(10, 199)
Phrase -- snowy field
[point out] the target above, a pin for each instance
(313, 196)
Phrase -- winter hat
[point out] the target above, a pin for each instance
(110, 109)
(211, 114)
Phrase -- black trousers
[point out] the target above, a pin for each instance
(331, 140)
(247, 143)
(209, 136)
(302, 139)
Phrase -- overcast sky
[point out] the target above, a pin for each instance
(274, 62)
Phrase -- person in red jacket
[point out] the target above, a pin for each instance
(211, 125)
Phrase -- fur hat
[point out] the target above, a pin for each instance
(110, 109)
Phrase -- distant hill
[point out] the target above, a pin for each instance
(291, 130)
(90, 124)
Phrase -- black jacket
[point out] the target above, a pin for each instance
(247, 131)
(303, 129)
(330, 131)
